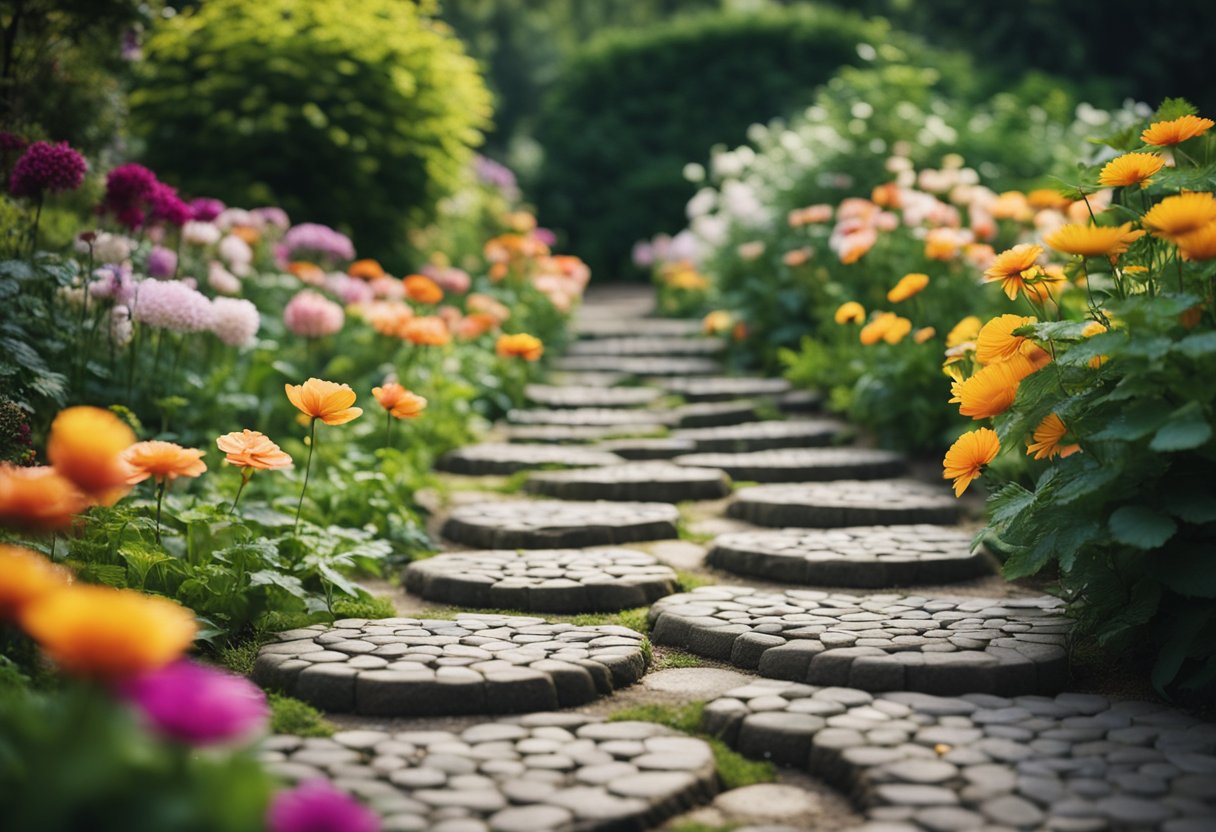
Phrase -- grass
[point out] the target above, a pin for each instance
(672, 658)
(691, 580)
(734, 770)
(634, 619)
(684, 533)
(291, 716)
(693, 826)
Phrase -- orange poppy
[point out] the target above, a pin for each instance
(325, 400)
(25, 577)
(38, 498)
(86, 446)
(398, 401)
(252, 449)
(521, 345)
(164, 461)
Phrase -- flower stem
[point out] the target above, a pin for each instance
(388, 429)
(160, 499)
(312, 445)
(246, 473)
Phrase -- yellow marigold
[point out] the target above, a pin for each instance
(1130, 169)
(1047, 198)
(850, 312)
(968, 329)
(923, 334)
(1177, 216)
(1166, 133)
(521, 345)
(1014, 268)
(1050, 281)
(965, 460)
(1047, 437)
(26, 577)
(717, 321)
(328, 401)
(992, 389)
(86, 446)
(876, 330)
(1093, 240)
(996, 341)
(908, 285)
(109, 634)
(897, 331)
(1011, 205)
(1200, 244)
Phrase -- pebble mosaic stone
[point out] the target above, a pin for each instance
(714, 414)
(919, 762)
(473, 664)
(647, 345)
(558, 434)
(861, 556)
(594, 396)
(544, 772)
(654, 481)
(722, 388)
(495, 458)
(761, 436)
(803, 464)
(615, 327)
(586, 417)
(844, 503)
(558, 524)
(661, 448)
(543, 580)
(878, 642)
(640, 366)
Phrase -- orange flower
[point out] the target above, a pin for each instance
(854, 246)
(252, 449)
(387, 317)
(25, 577)
(1177, 216)
(739, 331)
(478, 302)
(421, 289)
(398, 401)
(109, 634)
(992, 389)
(851, 312)
(924, 334)
(247, 233)
(908, 285)
(307, 272)
(876, 330)
(1093, 240)
(1090, 330)
(797, 257)
(38, 498)
(968, 329)
(898, 330)
(521, 345)
(163, 461)
(367, 269)
(325, 400)
(86, 446)
(942, 244)
(1165, 133)
(1050, 280)
(965, 460)
(1011, 205)
(475, 325)
(1199, 245)
(1047, 438)
(996, 341)
(1015, 268)
(428, 331)
(1130, 169)
(1042, 198)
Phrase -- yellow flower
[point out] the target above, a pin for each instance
(996, 341)
(1041, 198)
(325, 400)
(965, 460)
(923, 334)
(992, 389)
(716, 321)
(1200, 244)
(1014, 268)
(523, 345)
(1047, 438)
(26, 577)
(86, 446)
(1177, 216)
(1130, 169)
(1050, 280)
(851, 312)
(1088, 331)
(968, 329)
(908, 285)
(1093, 240)
(898, 329)
(1165, 133)
(876, 330)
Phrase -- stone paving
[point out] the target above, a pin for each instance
(760, 436)
(586, 417)
(652, 481)
(642, 448)
(714, 414)
(553, 524)
(633, 326)
(802, 464)
(543, 580)
(559, 434)
(640, 366)
(647, 345)
(720, 388)
(546, 395)
(845, 503)
(497, 458)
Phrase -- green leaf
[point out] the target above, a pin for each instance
(271, 577)
(1187, 428)
(1188, 570)
(1172, 108)
(1010, 501)
(1184, 627)
(1199, 345)
(1193, 506)
(1141, 527)
(1134, 422)
(1026, 561)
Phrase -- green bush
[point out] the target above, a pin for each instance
(358, 115)
(632, 107)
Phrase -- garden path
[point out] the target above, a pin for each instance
(866, 650)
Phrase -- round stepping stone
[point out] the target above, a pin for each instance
(723, 388)
(543, 580)
(883, 642)
(655, 481)
(496, 458)
(655, 327)
(560, 434)
(803, 464)
(844, 503)
(489, 777)
(596, 396)
(474, 664)
(639, 366)
(1068, 762)
(715, 414)
(589, 379)
(800, 401)
(585, 417)
(558, 524)
(761, 436)
(648, 345)
(661, 448)
(860, 556)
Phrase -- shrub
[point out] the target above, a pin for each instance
(356, 114)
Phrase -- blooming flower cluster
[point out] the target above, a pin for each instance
(316, 239)
(47, 168)
(172, 305)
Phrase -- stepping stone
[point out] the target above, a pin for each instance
(715, 414)
(800, 401)
(647, 345)
(844, 503)
(473, 664)
(545, 772)
(662, 448)
(979, 761)
(543, 580)
(589, 379)
(604, 327)
(803, 464)
(559, 434)
(585, 417)
(596, 396)
(558, 524)
(654, 481)
(640, 366)
(723, 388)
(860, 556)
(495, 458)
(760, 436)
(940, 645)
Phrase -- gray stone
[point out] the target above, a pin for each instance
(547, 524)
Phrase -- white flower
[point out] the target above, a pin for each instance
(222, 280)
(237, 254)
(111, 248)
(201, 233)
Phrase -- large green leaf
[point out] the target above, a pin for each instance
(1141, 527)
(1184, 626)
(1187, 428)
(1188, 570)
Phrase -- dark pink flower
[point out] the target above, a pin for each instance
(47, 167)
(197, 704)
(127, 189)
(316, 806)
(10, 142)
(205, 208)
(167, 206)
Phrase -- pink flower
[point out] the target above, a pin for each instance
(205, 209)
(127, 187)
(315, 238)
(167, 206)
(46, 167)
(313, 315)
(162, 262)
(449, 278)
(113, 283)
(235, 321)
(386, 287)
(222, 280)
(172, 305)
(349, 289)
(197, 704)
(316, 806)
(273, 215)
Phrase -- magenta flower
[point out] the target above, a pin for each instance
(46, 167)
(127, 188)
(316, 806)
(11, 142)
(197, 704)
(312, 315)
(167, 206)
(315, 238)
(205, 209)
(162, 262)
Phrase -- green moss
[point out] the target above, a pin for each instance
(373, 607)
(693, 826)
(672, 658)
(691, 580)
(291, 716)
(634, 619)
(239, 656)
(684, 533)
